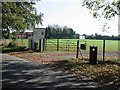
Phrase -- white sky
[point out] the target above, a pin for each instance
(70, 13)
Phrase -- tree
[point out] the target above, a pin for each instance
(56, 31)
(19, 16)
(103, 8)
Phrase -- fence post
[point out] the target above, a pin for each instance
(57, 44)
(103, 51)
(45, 44)
(77, 49)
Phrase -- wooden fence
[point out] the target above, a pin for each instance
(60, 45)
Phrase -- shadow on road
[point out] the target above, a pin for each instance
(28, 74)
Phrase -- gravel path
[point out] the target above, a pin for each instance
(22, 73)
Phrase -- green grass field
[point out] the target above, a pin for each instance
(110, 45)
(70, 44)
(23, 42)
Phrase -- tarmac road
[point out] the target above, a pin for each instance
(22, 73)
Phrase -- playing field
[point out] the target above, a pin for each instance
(70, 44)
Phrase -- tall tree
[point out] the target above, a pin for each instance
(19, 16)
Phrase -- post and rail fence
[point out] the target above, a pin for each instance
(107, 49)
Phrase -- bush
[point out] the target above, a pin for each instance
(13, 49)
(4, 42)
(12, 44)
(8, 43)
(29, 51)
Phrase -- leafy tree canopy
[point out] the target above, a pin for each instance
(56, 31)
(106, 9)
(19, 16)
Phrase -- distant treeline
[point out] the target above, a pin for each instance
(108, 38)
(101, 37)
(55, 31)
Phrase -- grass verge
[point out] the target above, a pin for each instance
(13, 49)
(107, 74)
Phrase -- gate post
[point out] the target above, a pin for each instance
(103, 51)
(35, 46)
(77, 49)
(31, 44)
(45, 46)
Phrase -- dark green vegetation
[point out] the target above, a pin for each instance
(11, 46)
(18, 16)
(13, 49)
(102, 37)
(107, 74)
(55, 31)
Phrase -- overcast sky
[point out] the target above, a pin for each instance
(70, 13)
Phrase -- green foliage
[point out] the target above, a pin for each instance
(103, 8)
(56, 31)
(13, 49)
(13, 37)
(30, 51)
(19, 16)
(12, 44)
(4, 42)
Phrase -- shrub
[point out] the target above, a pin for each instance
(13, 49)
(4, 42)
(12, 44)
(29, 51)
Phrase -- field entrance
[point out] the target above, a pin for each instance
(70, 45)
(60, 45)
